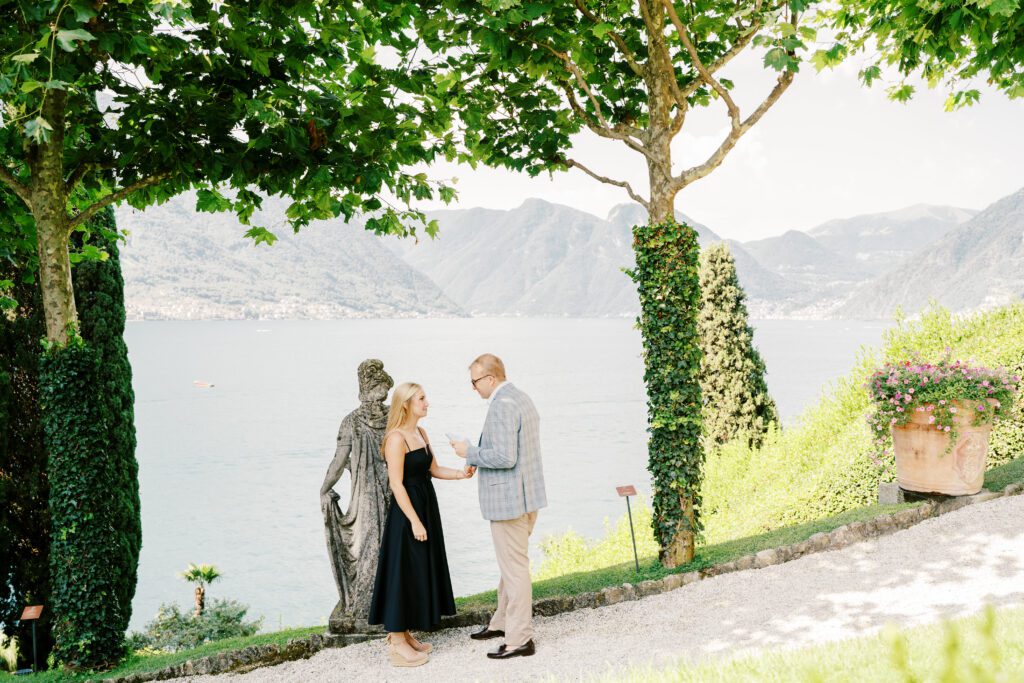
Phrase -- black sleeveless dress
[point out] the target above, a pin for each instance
(413, 587)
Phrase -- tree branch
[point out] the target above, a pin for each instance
(620, 132)
(76, 177)
(735, 133)
(618, 183)
(734, 112)
(737, 48)
(628, 54)
(113, 197)
(17, 187)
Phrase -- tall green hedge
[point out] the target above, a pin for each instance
(736, 399)
(88, 421)
(667, 281)
(24, 491)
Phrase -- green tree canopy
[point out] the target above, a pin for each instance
(139, 100)
(942, 41)
(528, 74)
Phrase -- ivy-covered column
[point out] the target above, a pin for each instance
(666, 275)
(88, 419)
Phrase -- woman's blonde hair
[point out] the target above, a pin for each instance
(403, 394)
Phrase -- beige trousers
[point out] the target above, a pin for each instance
(514, 615)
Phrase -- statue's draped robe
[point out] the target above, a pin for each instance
(353, 536)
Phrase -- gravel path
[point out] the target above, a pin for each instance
(943, 567)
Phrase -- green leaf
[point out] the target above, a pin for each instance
(870, 75)
(38, 129)
(261, 236)
(89, 252)
(602, 29)
(1000, 8)
(83, 10)
(211, 201)
(960, 99)
(66, 38)
(261, 62)
(26, 58)
(900, 93)
(29, 86)
(777, 59)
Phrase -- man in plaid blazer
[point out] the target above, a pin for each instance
(511, 491)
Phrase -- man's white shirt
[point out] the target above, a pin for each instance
(494, 393)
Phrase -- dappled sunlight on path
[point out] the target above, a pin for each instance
(947, 566)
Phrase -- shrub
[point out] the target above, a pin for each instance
(8, 654)
(174, 630)
(821, 466)
(735, 395)
(569, 553)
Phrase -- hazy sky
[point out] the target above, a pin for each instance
(829, 148)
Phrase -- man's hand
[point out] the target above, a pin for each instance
(461, 448)
(468, 471)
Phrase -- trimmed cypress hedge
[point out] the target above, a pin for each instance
(736, 399)
(667, 281)
(87, 407)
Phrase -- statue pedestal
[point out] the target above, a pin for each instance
(342, 623)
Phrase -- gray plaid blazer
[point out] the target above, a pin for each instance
(508, 458)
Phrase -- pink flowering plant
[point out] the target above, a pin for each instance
(899, 390)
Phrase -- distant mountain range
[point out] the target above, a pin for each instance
(183, 265)
(544, 259)
(978, 264)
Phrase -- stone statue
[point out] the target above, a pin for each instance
(353, 536)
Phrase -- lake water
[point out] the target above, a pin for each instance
(230, 475)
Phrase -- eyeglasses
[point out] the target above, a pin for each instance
(474, 381)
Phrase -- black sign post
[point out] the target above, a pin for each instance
(626, 492)
(32, 613)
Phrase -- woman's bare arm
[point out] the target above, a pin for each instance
(438, 472)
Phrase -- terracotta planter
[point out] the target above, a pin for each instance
(922, 463)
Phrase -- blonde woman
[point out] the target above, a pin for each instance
(413, 587)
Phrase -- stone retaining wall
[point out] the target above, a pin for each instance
(301, 648)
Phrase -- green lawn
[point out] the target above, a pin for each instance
(982, 649)
(998, 478)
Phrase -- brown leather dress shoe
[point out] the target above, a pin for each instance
(504, 653)
(485, 633)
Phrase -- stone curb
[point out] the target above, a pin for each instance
(302, 648)
(246, 659)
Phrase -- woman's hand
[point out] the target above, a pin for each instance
(419, 532)
(467, 472)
